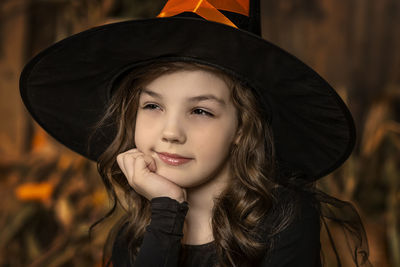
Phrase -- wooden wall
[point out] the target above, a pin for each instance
(353, 44)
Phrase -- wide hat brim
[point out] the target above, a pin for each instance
(67, 86)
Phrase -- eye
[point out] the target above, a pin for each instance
(149, 106)
(206, 113)
(197, 111)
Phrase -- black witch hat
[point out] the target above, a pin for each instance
(67, 86)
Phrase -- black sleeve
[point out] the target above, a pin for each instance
(299, 244)
(162, 240)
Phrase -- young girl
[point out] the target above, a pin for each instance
(212, 122)
(208, 136)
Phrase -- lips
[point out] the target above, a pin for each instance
(173, 159)
(175, 156)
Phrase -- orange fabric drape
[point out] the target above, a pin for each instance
(207, 9)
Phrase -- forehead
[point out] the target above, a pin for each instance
(194, 85)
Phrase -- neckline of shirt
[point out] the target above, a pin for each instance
(206, 245)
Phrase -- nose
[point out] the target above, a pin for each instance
(173, 131)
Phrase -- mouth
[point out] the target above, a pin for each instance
(173, 159)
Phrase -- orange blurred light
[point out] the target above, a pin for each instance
(34, 191)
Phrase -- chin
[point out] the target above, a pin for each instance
(178, 176)
(170, 174)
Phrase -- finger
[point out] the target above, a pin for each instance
(140, 167)
(147, 183)
(132, 150)
(138, 179)
(120, 161)
(129, 163)
(150, 163)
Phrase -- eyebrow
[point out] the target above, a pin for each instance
(191, 99)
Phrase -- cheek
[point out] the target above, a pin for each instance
(213, 143)
(143, 131)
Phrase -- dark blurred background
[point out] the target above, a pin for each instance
(50, 195)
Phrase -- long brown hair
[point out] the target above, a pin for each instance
(240, 210)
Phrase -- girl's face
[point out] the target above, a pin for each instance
(189, 113)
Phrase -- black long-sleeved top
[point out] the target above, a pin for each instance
(297, 246)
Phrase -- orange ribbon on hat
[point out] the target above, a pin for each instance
(207, 9)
